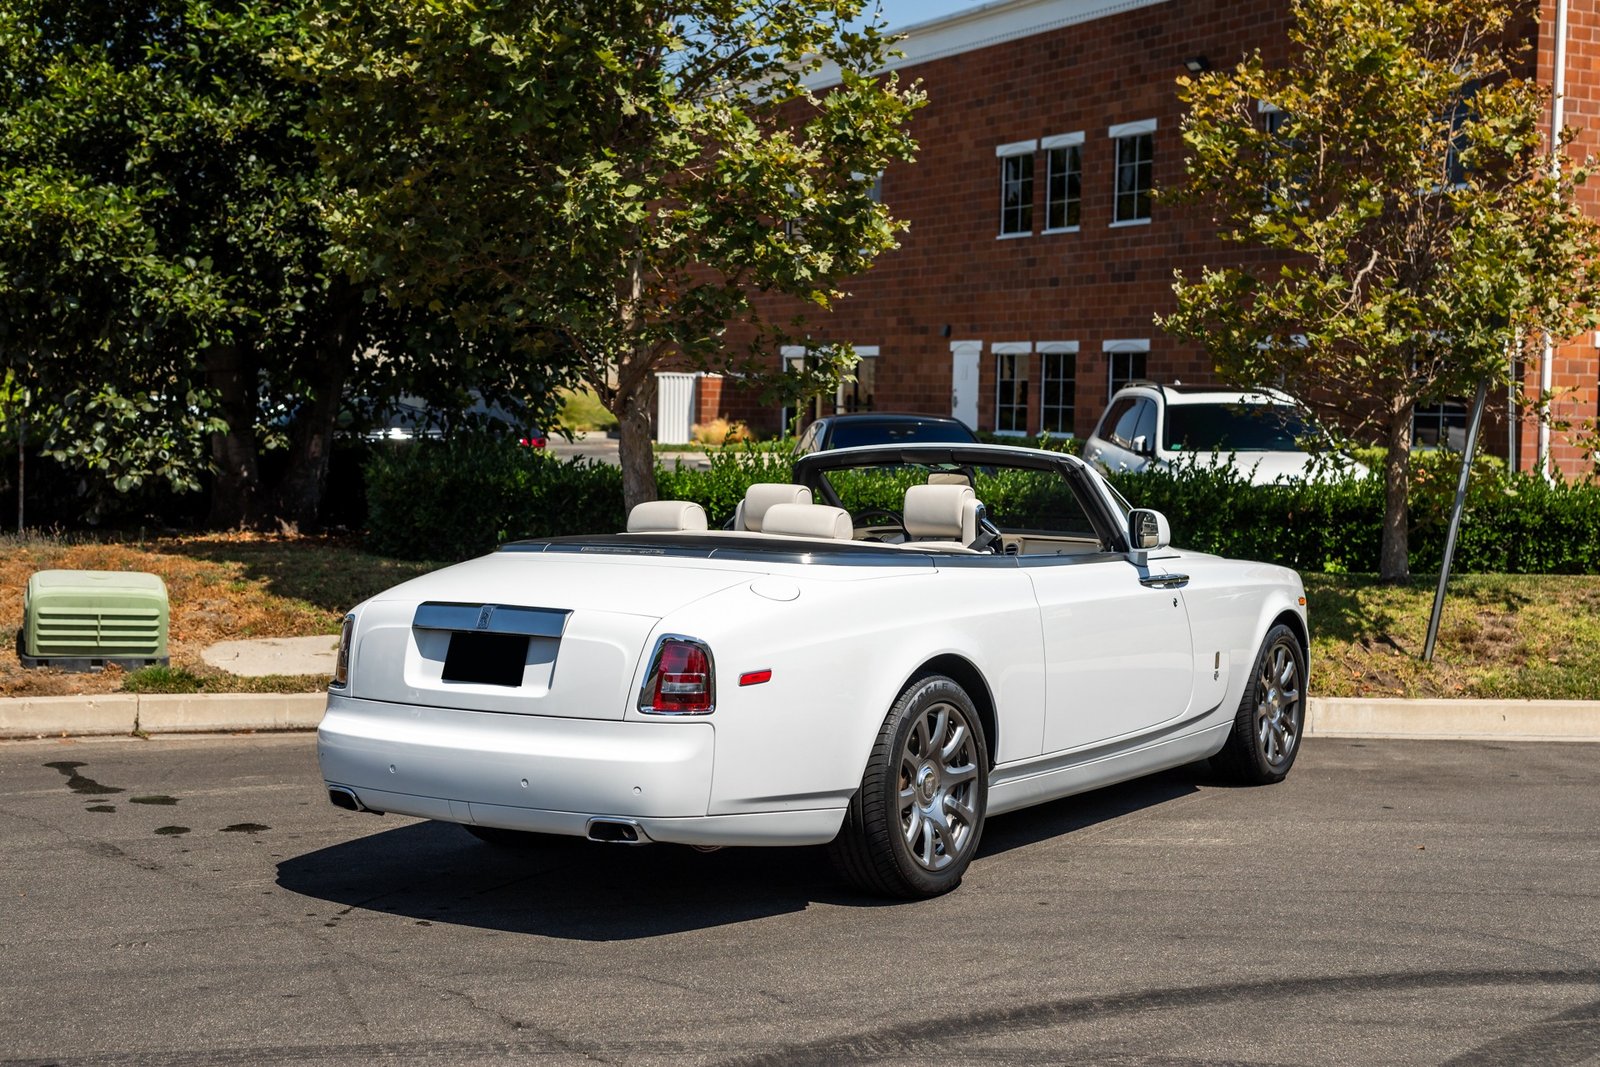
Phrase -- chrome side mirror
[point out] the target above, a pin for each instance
(1147, 532)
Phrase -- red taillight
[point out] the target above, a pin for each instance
(680, 681)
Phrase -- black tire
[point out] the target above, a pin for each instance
(503, 838)
(931, 758)
(1272, 713)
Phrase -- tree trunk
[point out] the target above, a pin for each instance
(1394, 559)
(635, 392)
(236, 485)
(635, 447)
(297, 498)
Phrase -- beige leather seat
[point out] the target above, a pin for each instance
(761, 496)
(808, 520)
(666, 516)
(940, 517)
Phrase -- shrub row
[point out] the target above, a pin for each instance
(451, 500)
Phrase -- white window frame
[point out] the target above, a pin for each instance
(1048, 145)
(1009, 348)
(1002, 153)
(1057, 348)
(1119, 134)
(1123, 346)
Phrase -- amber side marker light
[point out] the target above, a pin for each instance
(755, 677)
(1302, 601)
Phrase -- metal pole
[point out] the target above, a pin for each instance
(22, 462)
(1455, 519)
(1558, 100)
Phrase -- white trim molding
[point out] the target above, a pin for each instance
(984, 25)
(1016, 148)
(1132, 129)
(1127, 344)
(1011, 348)
(1061, 140)
(1051, 348)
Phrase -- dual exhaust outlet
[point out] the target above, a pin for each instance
(608, 831)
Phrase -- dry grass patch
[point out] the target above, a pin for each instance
(221, 587)
(1507, 636)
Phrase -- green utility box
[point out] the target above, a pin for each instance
(83, 620)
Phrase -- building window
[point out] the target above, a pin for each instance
(1125, 362)
(857, 395)
(1455, 171)
(1277, 124)
(1135, 171)
(1441, 425)
(1058, 386)
(1011, 387)
(1016, 188)
(1063, 193)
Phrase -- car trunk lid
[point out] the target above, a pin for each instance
(525, 634)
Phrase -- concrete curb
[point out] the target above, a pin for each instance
(1451, 720)
(127, 713)
(1428, 720)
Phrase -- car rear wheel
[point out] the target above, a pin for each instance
(915, 823)
(1266, 731)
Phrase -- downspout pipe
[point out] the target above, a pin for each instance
(1557, 121)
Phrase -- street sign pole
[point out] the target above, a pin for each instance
(1455, 518)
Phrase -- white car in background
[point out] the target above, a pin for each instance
(1261, 434)
(870, 658)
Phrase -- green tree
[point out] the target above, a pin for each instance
(609, 184)
(1404, 190)
(164, 302)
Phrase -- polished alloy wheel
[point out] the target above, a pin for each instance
(1278, 704)
(938, 778)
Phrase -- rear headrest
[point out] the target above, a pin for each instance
(808, 520)
(657, 516)
(941, 513)
(759, 497)
(948, 478)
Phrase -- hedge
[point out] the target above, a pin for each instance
(450, 500)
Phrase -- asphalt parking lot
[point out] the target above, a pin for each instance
(198, 902)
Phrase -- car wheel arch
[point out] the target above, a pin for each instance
(965, 673)
(1297, 626)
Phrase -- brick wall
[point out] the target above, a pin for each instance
(953, 280)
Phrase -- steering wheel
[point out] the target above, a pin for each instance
(865, 515)
(989, 538)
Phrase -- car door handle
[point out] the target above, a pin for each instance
(1165, 581)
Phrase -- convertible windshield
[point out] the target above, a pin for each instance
(1015, 499)
(900, 432)
(1235, 428)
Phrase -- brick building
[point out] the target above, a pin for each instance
(1023, 291)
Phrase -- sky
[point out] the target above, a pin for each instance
(902, 13)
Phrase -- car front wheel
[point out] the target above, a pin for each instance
(915, 823)
(1272, 714)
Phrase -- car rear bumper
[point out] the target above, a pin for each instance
(549, 775)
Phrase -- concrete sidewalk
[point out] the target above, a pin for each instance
(124, 714)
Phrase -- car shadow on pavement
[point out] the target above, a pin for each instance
(1059, 817)
(569, 888)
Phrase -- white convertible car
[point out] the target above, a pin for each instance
(906, 641)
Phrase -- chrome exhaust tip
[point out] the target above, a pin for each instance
(617, 832)
(341, 797)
